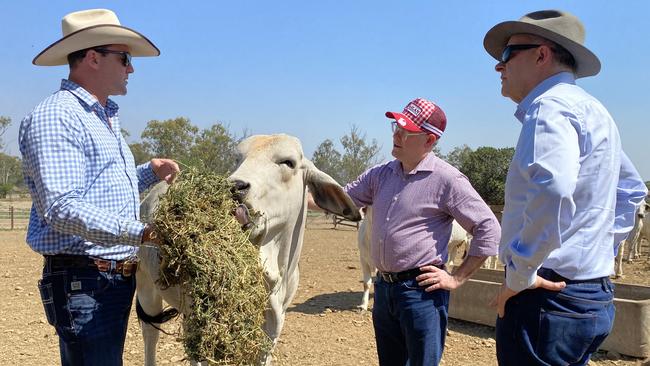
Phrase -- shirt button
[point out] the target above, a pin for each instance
(395, 198)
(530, 267)
(388, 218)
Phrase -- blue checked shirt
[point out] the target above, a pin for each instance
(571, 192)
(82, 177)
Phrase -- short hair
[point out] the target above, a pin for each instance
(562, 56)
(76, 56)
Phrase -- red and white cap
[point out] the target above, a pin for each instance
(421, 115)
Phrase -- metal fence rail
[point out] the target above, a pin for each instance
(14, 218)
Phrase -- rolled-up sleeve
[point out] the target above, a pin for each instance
(630, 193)
(475, 216)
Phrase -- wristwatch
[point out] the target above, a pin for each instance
(148, 234)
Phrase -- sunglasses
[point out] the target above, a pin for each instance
(396, 128)
(126, 57)
(507, 52)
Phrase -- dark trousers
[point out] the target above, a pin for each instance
(410, 324)
(90, 311)
(542, 327)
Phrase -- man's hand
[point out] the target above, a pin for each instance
(165, 169)
(506, 293)
(434, 278)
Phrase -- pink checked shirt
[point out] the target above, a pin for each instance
(413, 213)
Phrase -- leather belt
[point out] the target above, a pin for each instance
(62, 261)
(553, 276)
(393, 277)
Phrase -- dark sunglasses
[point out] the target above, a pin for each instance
(507, 52)
(126, 57)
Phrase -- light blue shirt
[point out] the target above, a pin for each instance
(82, 177)
(571, 192)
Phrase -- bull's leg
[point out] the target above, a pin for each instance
(453, 250)
(618, 261)
(151, 304)
(366, 269)
(273, 323)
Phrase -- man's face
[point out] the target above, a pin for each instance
(113, 71)
(409, 146)
(517, 73)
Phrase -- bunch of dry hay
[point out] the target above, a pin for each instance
(206, 252)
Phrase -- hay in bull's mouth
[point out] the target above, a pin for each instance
(207, 253)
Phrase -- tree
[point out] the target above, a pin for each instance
(328, 160)
(358, 155)
(4, 124)
(216, 150)
(458, 156)
(487, 168)
(140, 153)
(172, 138)
(10, 173)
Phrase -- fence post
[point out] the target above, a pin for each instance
(11, 214)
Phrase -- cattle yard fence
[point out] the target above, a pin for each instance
(13, 218)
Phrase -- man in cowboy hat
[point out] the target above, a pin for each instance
(571, 194)
(415, 198)
(85, 188)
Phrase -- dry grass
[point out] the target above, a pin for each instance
(206, 252)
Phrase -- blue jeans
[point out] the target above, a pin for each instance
(90, 311)
(543, 327)
(410, 324)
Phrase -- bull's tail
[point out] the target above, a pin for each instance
(165, 316)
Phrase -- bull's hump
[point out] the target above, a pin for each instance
(271, 143)
(262, 142)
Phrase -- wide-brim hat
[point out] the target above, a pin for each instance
(89, 28)
(558, 26)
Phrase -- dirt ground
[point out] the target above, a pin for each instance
(322, 326)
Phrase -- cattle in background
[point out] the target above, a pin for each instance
(458, 242)
(272, 179)
(632, 244)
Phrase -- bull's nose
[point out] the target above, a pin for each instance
(240, 185)
(240, 189)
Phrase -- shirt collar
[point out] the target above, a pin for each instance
(541, 88)
(84, 96)
(427, 164)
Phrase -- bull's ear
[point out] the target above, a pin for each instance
(329, 195)
(150, 202)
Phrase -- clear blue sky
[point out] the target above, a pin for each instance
(314, 68)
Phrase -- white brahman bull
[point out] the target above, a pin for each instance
(459, 242)
(272, 179)
(633, 242)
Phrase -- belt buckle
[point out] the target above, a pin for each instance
(388, 277)
(129, 267)
(103, 265)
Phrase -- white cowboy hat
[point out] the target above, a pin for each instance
(95, 27)
(555, 25)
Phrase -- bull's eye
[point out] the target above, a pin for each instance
(288, 163)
